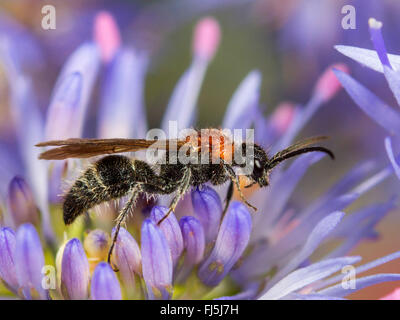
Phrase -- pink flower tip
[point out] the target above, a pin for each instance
(207, 35)
(328, 85)
(394, 295)
(282, 117)
(106, 35)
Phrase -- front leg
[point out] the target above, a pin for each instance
(234, 179)
(229, 196)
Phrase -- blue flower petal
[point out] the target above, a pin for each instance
(29, 261)
(242, 106)
(232, 240)
(339, 291)
(63, 114)
(122, 111)
(104, 284)
(7, 258)
(376, 109)
(361, 269)
(367, 57)
(317, 236)
(75, 274)
(170, 228)
(305, 276)
(182, 105)
(389, 151)
(157, 262)
(127, 257)
(208, 209)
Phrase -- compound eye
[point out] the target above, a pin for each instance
(257, 164)
(258, 169)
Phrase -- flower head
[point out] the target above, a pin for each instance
(283, 251)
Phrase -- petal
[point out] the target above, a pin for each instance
(170, 228)
(389, 151)
(64, 118)
(240, 111)
(370, 103)
(75, 273)
(305, 276)
(104, 284)
(85, 60)
(339, 291)
(208, 209)
(232, 240)
(106, 35)
(127, 257)
(367, 57)
(317, 236)
(157, 262)
(361, 269)
(21, 202)
(29, 260)
(122, 110)
(7, 257)
(206, 38)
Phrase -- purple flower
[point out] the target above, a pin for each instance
(29, 261)
(233, 237)
(21, 202)
(208, 209)
(157, 262)
(127, 257)
(170, 229)
(7, 258)
(282, 252)
(105, 285)
(194, 244)
(75, 273)
(194, 239)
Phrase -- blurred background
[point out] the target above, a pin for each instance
(290, 42)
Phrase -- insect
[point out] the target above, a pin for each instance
(115, 176)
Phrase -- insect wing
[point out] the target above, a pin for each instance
(86, 148)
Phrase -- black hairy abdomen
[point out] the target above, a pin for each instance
(109, 178)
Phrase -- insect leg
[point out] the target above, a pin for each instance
(232, 175)
(228, 199)
(121, 219)
(183, 187)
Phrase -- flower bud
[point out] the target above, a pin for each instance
(106, 35)
(96, 244)
(157, 262)
(21, 202)
(170, 229)
(232, 239)
(208, 208)
(194, 239)
(75, 273)
(328, 85)
(207, 35)
(7, 258)
(63, 111)
(194, 243)
(29, 260)
(105, 285)
(127, 257)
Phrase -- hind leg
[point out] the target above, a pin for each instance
(121, 218)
